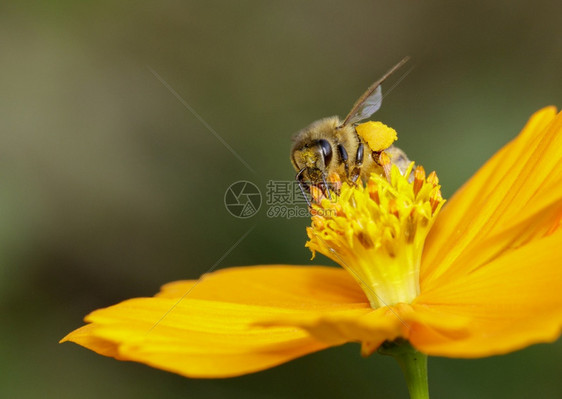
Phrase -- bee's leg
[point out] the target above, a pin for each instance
(359, 155)
(343, 159)
(326, 188)
(302, 185)
(356, 172)
(355, 175)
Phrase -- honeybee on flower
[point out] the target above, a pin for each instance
(478, 276)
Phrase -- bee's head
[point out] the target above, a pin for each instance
(313, 148)
(312, 159)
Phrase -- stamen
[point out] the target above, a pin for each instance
(377, 231)
(335, 182)
(419, 178)
(433, 179)
(436, 200)
(384, 161)
(316, 193)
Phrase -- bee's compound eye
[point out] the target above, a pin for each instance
(326, 150)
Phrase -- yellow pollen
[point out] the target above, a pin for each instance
(377, 232)
(377, 135)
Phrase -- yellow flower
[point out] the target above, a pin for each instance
(487, 280)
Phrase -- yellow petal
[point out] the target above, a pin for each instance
(512, 200)
(197, 338)
(85, 336)
(510, 303)
(214, 331)
(370, 327)
(273, 285)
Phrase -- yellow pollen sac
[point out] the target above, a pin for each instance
(377, 232)
(377, 135)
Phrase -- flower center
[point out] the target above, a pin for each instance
(377, 232)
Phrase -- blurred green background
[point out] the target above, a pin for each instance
(110, 187)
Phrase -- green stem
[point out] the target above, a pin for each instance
(413, 365)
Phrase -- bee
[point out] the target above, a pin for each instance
(331, 147)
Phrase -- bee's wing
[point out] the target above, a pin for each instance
(371, 100)
(366, 108)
